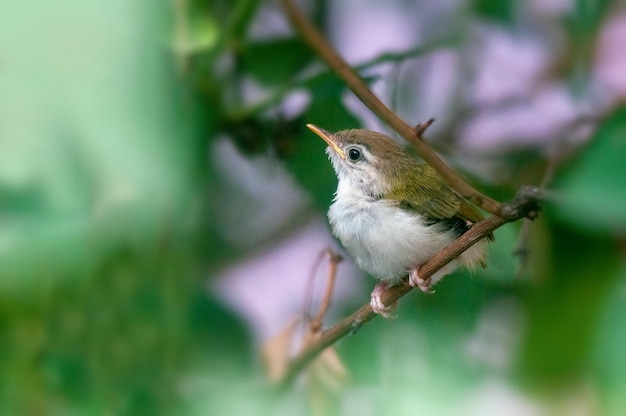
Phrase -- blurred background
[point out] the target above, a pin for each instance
(162, 205)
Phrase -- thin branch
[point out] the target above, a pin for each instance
(525, 204)
(394, 57)
(317, 42)
(308, 293)
(421, 128)
(335, 259)
(521, 249)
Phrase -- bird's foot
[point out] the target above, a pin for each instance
(416, 281)
(377, 304)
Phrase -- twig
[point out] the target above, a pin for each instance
(410, 53)
(421, 128)
(321, 46)
(276, 351)
(521, 249)
(525, 204)
(335, 259)
(308, 293)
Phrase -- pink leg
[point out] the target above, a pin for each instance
(377, 304)
(416, 280)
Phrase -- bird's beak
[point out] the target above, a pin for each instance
(328, 138)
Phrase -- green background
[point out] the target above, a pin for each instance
(109, 233)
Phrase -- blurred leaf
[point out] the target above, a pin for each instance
(275, 61)
(583, 25)
(96, 146)
(609, 365)
(276, 351)
(497, 10)
(399, 57)
(243, 11)
(101, 185)
(307, 159)
(118, 339)
(199, 33)
(565, 305)
(438, 349)
(310, 166)
(588, 14)
(592, 187)
(502, 261)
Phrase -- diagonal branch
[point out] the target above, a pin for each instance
(322, 47)
(524, 205)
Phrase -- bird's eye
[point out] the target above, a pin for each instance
(355, 155)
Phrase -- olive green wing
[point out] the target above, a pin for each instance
(427, 193)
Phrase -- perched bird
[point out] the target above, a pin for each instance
(393, 213)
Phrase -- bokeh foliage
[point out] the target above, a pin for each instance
(108, 228)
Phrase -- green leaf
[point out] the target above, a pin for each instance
(592, 187)
(564, 309)
(497, 10)
(88, 152)
(275, 61)
(307, 159)
(588, 14)
(241, 15)
(502, 262)
(309, 164)
(203, 35)
(609, 365)
(101, 281)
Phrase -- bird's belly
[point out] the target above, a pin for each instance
(383, 239)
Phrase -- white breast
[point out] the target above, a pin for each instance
(383, 239)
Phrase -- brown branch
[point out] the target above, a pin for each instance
(322, 47)
(335, 259)
(524, 205)
(421, 128)
(308, 297)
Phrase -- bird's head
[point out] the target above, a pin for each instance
(365, 160)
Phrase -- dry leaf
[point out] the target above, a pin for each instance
(276, 351)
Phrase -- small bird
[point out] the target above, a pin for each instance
(393, 213)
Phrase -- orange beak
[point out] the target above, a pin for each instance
(328, 138)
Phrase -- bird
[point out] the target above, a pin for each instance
(392, 213)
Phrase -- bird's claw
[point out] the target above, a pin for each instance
(416, 281)
(377, 304)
